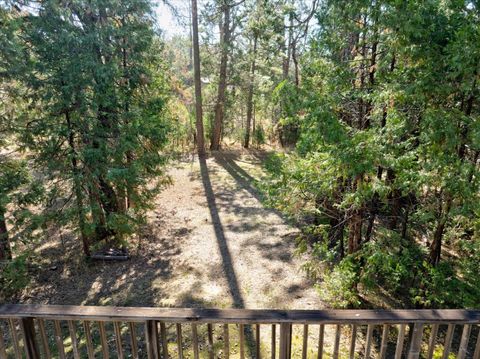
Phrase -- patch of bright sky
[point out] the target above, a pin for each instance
(173, 23)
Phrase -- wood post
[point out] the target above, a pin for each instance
(28, 332)
(368, 345)
(336, 345)
(151, 330)
(285, 340)
(321, 334)
(462, 351)
(415, 346)
(400, 341)
(274, 341)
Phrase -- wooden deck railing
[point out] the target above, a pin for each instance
(39, 331)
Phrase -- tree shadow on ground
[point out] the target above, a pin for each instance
(227, 262)
(228, 160)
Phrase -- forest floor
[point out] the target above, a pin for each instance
(209, 242)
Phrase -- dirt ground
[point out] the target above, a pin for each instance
(209, 243)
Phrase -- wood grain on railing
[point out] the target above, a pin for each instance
(39, 331)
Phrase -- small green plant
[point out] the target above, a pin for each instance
(259, 136)
(339, 287)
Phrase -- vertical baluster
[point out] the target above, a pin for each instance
(151, 336)
(336, 346)
(383, 346)
(321, 334)
(400, 341)
(305, 342)
(3, 348)
(133, 340)
(73, 337)
(432, 341)
(14, 336)
(44, 338)
(163, 333)
(448, 341)
(476, 355)
(179, 341)
(210, 340)
(226, 341)
(88, 339)
(257, 340)
(368, 345)
(415, 346)
(59, 339)
(195, 341)
(352, 342)
(29, 342)
(118, 339)
(285, 340)
(274, 341)
(462, 351)
(241, 330)
(103, 339)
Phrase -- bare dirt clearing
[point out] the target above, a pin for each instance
(210, 242)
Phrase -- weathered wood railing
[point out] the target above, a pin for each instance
(38, 331)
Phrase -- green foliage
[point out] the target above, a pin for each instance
(339, 286)
(385, 171)
(13, 276)
(98, 120)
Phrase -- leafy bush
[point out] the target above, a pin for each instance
(13, 276)
(259, 135)
(339, 287)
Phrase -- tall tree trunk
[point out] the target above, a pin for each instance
(77, 187)
(5, 249)
(222, 79)
(355, 231)
(198, 84)
(250, 93)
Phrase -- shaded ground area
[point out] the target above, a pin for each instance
(210, 242)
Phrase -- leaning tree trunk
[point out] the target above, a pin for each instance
(198, 84)
(222, 82)
(250, 94)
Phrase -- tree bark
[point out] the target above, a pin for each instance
(5, 249)
(222, 79)
(436, 245)
(77, 187)
(250, 94)
(198, 84)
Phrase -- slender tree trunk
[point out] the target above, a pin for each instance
(198, 84)
(295, 63)
(436, 245)
(222, 80)
(355, 224)
(374, 206)
(250, 93)
(5, 249)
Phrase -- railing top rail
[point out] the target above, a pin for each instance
(140, 314)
